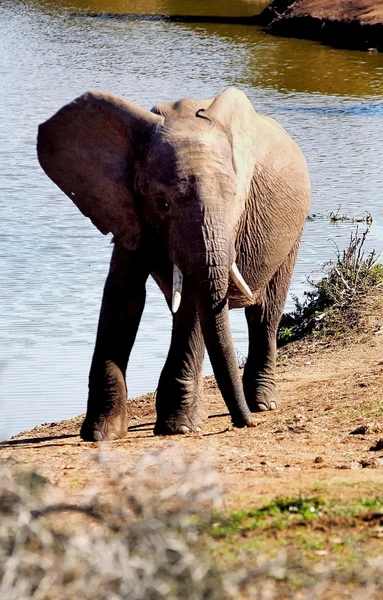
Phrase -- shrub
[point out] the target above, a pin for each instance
(143, 543)
(328, 306)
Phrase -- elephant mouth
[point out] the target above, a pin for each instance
(178, 279)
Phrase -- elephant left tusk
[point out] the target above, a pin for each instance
(177, 288)
(240, 282)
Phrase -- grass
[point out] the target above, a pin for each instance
(286, 513)
(329, 307)
(275, 514)
(164, 535)
(140, 543)
(308, 546)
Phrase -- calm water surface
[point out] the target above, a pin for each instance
(54, 262)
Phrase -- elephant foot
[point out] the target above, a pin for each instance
(104, 428)
(262, 399)
(244, 423)
(179, 424)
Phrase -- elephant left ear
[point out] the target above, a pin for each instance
(88, 148)
(234, 111)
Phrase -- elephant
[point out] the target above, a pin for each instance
(210, 198)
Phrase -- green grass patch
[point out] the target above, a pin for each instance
(277, 514)
(289, 513)
(302, 538)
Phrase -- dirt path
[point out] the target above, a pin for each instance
(327, 391)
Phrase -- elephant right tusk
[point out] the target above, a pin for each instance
(177, 288)
(240, 282)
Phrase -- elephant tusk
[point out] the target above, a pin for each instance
(177, 288)
(240, 282)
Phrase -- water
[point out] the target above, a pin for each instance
(54, 262)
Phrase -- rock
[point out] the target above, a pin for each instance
(374, 463)
(350, 465)
(378, 446)
(357, 24)
(368, 428)
(299, 429)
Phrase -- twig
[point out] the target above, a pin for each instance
(89, 511)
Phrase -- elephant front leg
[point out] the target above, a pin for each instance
(122, 305)
(179, 394)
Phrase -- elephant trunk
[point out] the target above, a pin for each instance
(210, 279)
(215, 325)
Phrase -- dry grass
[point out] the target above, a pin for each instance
(163, 535)
(140, 543)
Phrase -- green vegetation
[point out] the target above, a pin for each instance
(288, 513)
(275, 514)
(305, 546)
(329, 308)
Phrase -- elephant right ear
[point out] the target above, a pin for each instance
(88, 149)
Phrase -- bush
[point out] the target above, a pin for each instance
(328, 306)
(143, 543)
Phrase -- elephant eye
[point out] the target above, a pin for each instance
(163, 204)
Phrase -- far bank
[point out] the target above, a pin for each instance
(356, 25)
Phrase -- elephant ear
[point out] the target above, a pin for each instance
(234, 111)
(88, 149)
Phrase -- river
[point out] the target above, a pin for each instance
(53, 262)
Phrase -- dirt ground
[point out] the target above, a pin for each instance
(328, 389)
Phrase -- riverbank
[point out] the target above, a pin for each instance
(328, 387)
(322, 448)
(356, 25)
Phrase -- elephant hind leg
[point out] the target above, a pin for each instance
(263, 320)
(179, 394)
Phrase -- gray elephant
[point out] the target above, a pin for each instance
(210, 198)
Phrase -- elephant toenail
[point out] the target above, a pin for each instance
(183, 429)
(98, 436)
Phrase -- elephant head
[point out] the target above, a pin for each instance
(187, 179)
